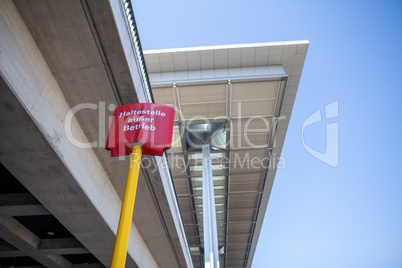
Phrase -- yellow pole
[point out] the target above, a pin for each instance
(126, 214)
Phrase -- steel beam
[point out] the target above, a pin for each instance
(211, 254)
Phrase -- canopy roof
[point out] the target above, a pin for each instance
(239, 98)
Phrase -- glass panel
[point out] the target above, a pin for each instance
(195, 173)
(220, 222)
(221, 172)
(198, 200)
(176, 140)
(196, 181)
(219, 141)
(220, 192)
(195, 250)
(197, 193)
(214, 167)
(205, 132)
(217, 155)
(219, 180)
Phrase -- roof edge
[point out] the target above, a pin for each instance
(203, 48)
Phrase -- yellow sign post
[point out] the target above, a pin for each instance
(120, 246)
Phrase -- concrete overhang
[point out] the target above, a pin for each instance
(64, 66)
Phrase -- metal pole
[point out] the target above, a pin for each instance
(211, 254)
(126, 214)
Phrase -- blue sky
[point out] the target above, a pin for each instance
(318, 216)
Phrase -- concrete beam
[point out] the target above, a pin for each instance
(90, 265)
(7, 250)
(18, 236)
(32, 266)
(24, 204)
(62, 246)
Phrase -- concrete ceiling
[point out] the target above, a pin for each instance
(56, 55)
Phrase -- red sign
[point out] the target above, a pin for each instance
(149, 124)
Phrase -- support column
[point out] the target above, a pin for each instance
(211, 254)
